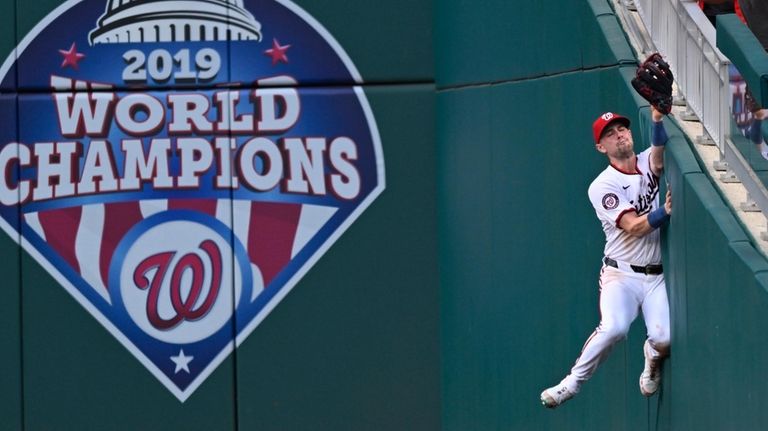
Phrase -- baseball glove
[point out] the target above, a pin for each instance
(653, 81)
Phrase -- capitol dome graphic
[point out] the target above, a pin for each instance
(132, 21)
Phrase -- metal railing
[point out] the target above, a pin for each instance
(680, 31)
(684, 36)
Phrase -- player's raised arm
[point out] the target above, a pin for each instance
(658, 141)
(653, 81)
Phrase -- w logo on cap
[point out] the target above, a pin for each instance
(602, 122)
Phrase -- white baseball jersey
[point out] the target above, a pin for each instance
(614, 193)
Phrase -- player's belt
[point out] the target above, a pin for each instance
(647, 270)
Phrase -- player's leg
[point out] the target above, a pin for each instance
(619, 306)
(655, 309)
(656, 315)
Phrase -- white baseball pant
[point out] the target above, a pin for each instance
(622, 295)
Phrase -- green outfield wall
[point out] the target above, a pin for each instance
(437, 272)
(520, 246)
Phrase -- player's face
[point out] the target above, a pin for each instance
(616, 142)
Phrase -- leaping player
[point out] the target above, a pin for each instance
(626, 199)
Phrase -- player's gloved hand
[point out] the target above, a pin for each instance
(653, 81)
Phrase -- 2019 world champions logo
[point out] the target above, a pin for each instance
(180, 165)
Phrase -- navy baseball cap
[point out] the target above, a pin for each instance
(604, 121)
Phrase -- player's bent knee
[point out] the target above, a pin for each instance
(662, 347)
(660, 343)
(615, 333)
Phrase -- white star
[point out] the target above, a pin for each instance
(182, 362)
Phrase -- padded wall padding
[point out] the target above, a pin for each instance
(504, 41)
(743, 49)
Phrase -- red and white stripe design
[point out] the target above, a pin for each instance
(86, 237)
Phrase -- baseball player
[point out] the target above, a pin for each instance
(626, 199)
